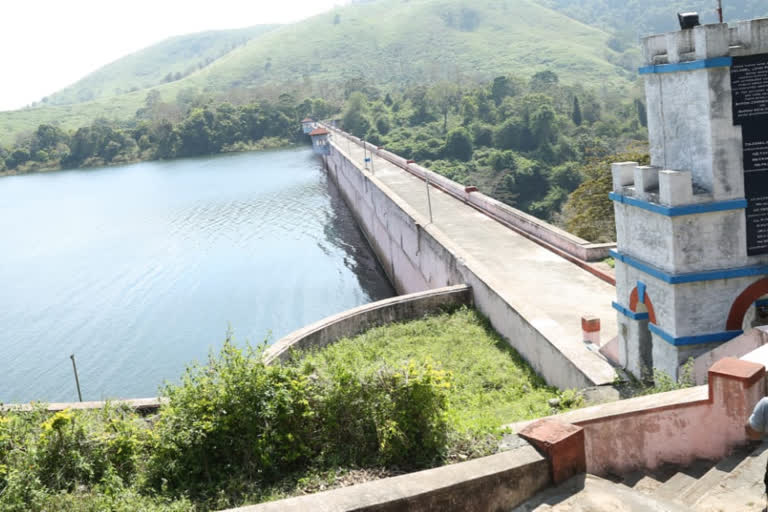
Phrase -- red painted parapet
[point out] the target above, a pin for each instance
(675, 427)
(561, 443)
(590, 329)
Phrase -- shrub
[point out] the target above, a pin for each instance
(235, 415)
(392, 416)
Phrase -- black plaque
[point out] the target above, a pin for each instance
(749, 83)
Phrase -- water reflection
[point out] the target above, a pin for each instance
(139, 270)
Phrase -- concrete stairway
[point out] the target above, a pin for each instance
(734, 484)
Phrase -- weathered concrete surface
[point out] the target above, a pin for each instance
(740, 489)
(533, 297)
(498, 482)
(674, 428)
(358, 320)
(588, 493)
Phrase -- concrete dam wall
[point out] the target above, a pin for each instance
(419, 255)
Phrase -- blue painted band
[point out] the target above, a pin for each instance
(692, 277)
(718, 337)
(628, 313)
(641, 292)
(761, 302)
(676, 211)
(717, 62)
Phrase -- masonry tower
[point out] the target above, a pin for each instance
(692, 228)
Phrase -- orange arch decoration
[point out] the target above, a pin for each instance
(634, 299)
(743, 302)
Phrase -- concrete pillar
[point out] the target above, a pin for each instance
(562, 444)
(635, 346)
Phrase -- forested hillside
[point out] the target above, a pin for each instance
(390, 43)
(635, 18)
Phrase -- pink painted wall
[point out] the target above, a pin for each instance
(678, 433)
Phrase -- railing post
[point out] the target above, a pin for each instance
(77, 380)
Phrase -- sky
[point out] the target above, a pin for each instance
(46, 45)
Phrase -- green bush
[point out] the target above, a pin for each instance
(387, 416)
(234, 416)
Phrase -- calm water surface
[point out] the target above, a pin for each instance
(139, 270)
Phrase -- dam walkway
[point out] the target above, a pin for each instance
(551, 293)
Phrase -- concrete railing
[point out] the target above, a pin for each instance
(677, 427)
(498, 482)
(535, 229)
(358, 320)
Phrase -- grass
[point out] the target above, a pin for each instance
(389, 43)
(491, 385)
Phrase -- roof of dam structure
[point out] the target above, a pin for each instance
(549, 291)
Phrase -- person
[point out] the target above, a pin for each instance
(757, 426)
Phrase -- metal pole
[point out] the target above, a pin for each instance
(429, 200)
(77, 380)
(720, 10)
(365, 156)
(373, 171)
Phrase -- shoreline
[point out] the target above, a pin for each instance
(269, 145)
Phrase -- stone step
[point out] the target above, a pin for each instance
(742, 489)
(714, 476)
(686, 477)
(588, 493)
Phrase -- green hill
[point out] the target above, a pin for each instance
(642, 17)
(389, 43)
(167, 61)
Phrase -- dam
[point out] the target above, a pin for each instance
(429, 232)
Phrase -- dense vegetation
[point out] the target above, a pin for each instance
(629, 19)
(397, 398)
(524, 142)
(190, 127)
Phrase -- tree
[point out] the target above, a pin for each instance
(589, 211)
(501, 88)
(354, 118)
(444, 96)
(459, 145)
(543, 80)
(576, 114)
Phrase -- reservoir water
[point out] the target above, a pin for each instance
(139, 270)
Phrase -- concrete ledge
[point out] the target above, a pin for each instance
(358, 320)
(677, 427)
(142, 405)
(498, 482)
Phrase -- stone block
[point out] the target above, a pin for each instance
(711, 41)
(646, 179)
(561, 443)
(675, 187)
(653, 46)
(623, 175)
(679, 44)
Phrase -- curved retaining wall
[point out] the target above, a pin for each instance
(358, 320)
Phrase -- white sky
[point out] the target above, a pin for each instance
(46, 45)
